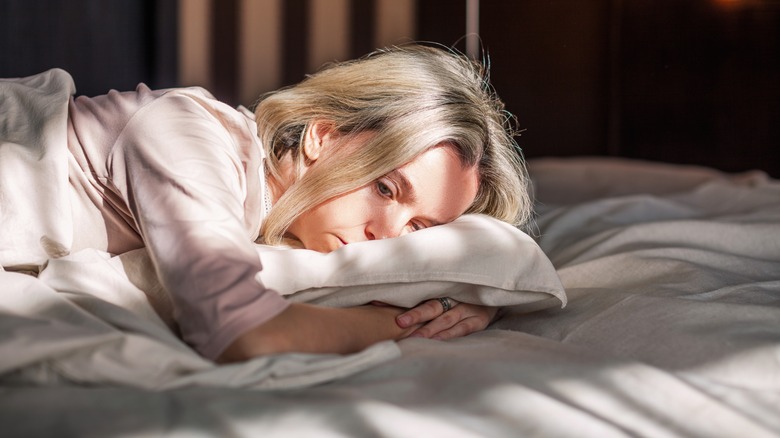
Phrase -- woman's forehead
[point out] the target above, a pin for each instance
(438, 183)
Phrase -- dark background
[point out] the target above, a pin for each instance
(685, 81)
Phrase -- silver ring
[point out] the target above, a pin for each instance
(446, 304)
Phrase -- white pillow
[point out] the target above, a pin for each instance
(474, 259)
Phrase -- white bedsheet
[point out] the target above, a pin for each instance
(672, 329)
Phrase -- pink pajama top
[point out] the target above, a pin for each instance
(181, 174)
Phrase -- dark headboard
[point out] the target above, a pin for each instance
(693, 82)
(102, 44)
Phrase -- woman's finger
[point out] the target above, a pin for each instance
(427, 311)
(443, 322)
(461, 321)
(462, 328)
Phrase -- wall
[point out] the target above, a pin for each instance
(700, 82)
(690, 81)
(242, 48)
(693, 82)
(103, 44)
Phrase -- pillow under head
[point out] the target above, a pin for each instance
(474, 259)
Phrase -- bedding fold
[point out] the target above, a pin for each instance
(33, 169)
(87, 335)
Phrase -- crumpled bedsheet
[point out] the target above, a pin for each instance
(83, 322)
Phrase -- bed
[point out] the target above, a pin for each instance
(643, 301)
(672, 328)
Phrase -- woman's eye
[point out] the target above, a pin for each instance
(416, 226)
(384, 189)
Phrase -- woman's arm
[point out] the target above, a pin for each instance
(313, 329)
(182, 164)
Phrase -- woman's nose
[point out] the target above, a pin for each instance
(385, 226)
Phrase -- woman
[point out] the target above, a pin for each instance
(403, 139)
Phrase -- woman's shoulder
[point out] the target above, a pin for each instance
(110, 114)
(193, 103)
(123, 105)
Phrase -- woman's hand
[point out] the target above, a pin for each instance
(460, 320)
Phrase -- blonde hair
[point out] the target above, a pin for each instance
(412, 98)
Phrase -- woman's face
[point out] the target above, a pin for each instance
(432, 189)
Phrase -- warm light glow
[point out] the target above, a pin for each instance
(472, 28)
(732, 4)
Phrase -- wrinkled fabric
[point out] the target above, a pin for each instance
(34, 170)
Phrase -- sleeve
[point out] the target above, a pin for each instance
(177, 167)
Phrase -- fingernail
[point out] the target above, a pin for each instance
(404, 320)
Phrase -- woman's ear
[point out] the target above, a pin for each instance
(316, 139)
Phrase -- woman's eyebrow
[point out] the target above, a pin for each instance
(409, 194)
(406, 187)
